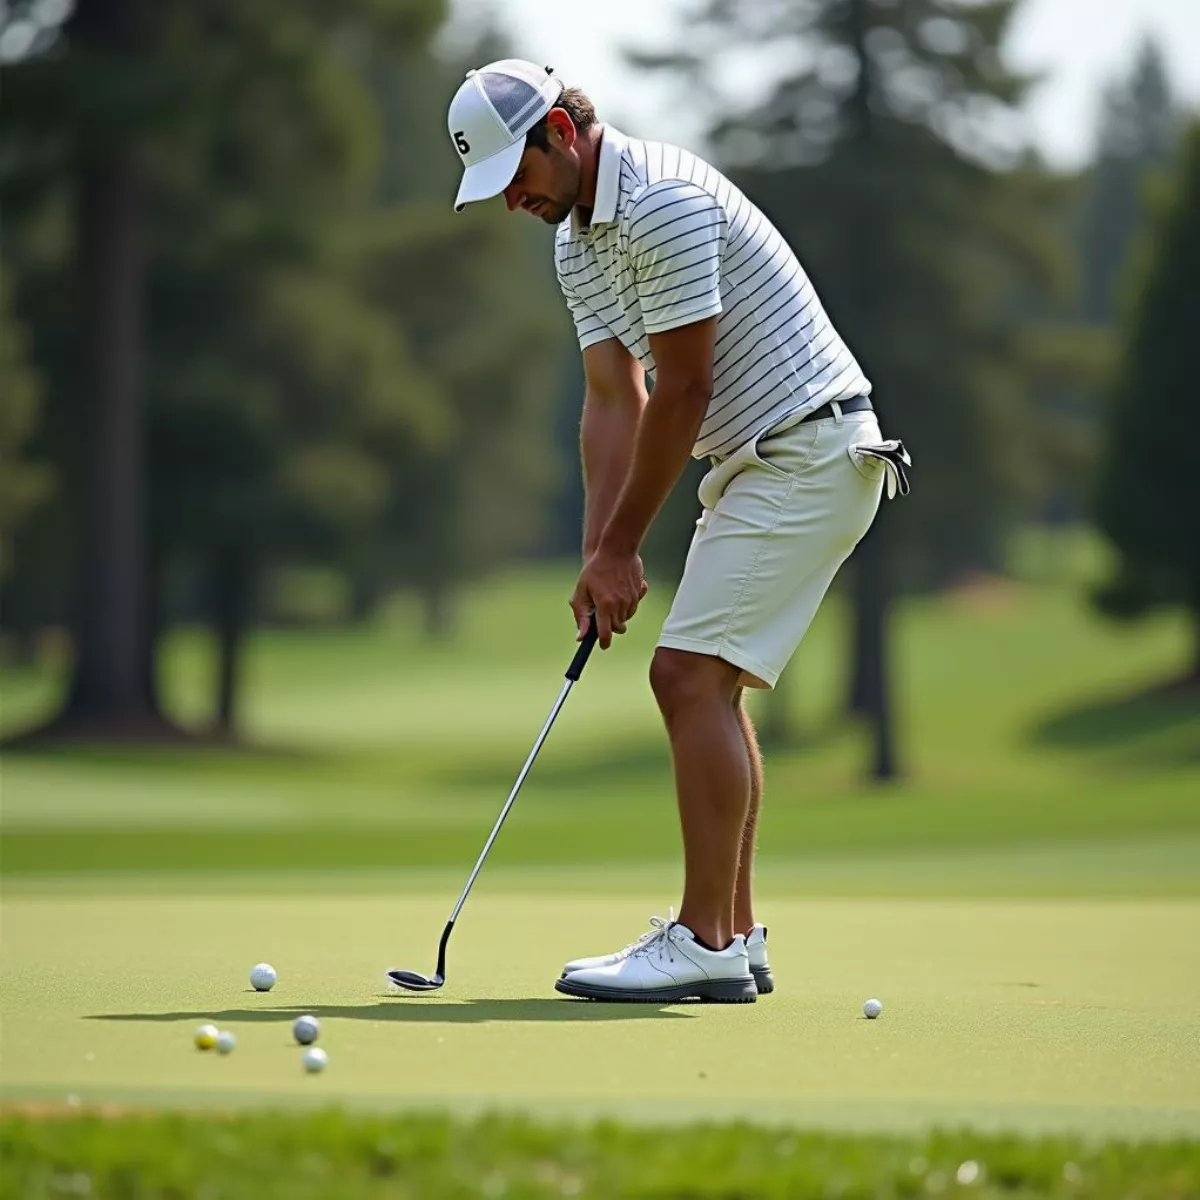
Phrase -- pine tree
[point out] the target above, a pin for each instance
(321, 362)
(1149, 492)
(1071, 342)
(1138, 127)
(205, 152)
(873, 154)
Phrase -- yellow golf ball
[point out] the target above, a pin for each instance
(206, 1037)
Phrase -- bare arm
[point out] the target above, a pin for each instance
(614, 398)
(612, 582)
(667, 431)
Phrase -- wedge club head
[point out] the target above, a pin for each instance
(416, 982)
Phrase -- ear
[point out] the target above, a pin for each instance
(560, 123)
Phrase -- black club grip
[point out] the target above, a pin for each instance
(585, 649)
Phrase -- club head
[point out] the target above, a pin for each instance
(414, 981)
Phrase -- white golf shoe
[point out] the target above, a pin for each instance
(657, 924)
(756, 950)
(667, 964)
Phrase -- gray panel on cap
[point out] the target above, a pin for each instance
(512, 98)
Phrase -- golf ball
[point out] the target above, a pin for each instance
(206, 1037)
(315, 1059)
(306, 1030)
(226, 1041)
(872, 1009)
(262, 977)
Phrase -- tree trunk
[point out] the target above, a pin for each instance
(111, 692)
(110, 622)
(871, 696)
(232, 586)
(152, 627)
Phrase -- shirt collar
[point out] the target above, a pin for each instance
(608, 181)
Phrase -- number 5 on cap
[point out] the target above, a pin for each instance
(461, 143)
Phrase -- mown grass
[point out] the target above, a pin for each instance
(267, 1156)
(1024, 720)
(1040, 760)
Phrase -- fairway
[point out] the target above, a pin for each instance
(1025, 901)
(1050, 1016)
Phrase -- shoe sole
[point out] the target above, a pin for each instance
(763, 980)
(722, 991)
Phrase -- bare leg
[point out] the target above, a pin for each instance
(743, 903)
(712, 781)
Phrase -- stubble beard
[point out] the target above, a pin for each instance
(567, 194)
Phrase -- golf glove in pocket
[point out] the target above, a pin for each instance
(890, 456)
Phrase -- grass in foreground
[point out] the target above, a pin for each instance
(268, 1156)
(1043, 1017)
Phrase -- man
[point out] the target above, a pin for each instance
(668, 268)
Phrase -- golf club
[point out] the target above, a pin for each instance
(414, 981)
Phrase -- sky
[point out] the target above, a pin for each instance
(1080, 45)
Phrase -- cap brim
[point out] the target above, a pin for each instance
(490, 176)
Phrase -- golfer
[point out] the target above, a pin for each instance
(667, 268)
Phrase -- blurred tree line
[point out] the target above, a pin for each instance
(259, 333)
(976, 285)
(1149, 483)
(242, 330)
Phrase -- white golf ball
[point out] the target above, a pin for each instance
(315, 1059)
(206, 1037)
(226, 1040)
(872, 1009)
(306, 1030)
(262, 977)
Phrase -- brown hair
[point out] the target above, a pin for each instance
(576, 105)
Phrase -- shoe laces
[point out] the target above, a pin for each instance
(655, 939)
(657, 925)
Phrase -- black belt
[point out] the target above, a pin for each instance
(853, 405)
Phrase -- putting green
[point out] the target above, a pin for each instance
(1027, 1014)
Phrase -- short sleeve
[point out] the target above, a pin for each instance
(589, 328)
(677, 237)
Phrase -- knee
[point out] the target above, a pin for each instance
(680, 680)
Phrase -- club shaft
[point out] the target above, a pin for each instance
(512, 796)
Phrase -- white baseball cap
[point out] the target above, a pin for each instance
(489, 116)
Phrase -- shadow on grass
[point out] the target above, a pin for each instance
(416, 1008)
(1170, 713)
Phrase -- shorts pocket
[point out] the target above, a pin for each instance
(866, 434)
(868, 467)
(787, 453)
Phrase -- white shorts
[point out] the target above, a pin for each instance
(780, 515)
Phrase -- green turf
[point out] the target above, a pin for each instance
(1030, 1015)
(1025, 902)
(1024, 725)
(268, 1157)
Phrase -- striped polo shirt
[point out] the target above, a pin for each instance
(672, 241)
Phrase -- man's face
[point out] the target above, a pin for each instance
(546, 183)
